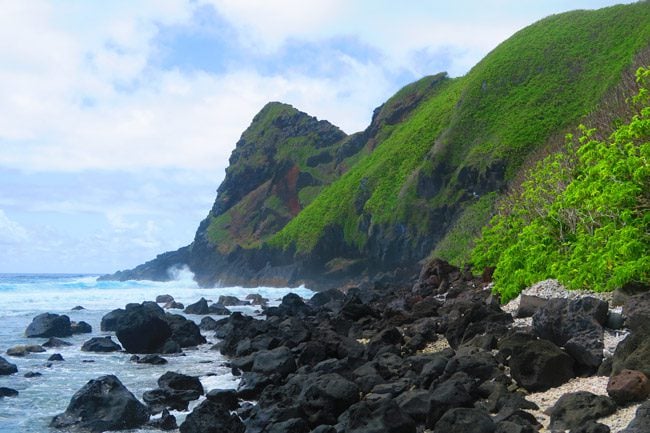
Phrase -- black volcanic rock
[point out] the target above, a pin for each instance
(200, 307)
(100, 405)
(101, 344)
(56, 342)
(8, 392)
(49, 325)
(6, 367)
(81, 327)
(210, 417)
(109, 321)
(574, 409)
(143, 329)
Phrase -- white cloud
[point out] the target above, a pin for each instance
(11, 232)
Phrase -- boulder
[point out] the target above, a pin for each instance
(628, 386)
(185, 332)
(8, 392)
(382, 416)
(100, 405)
(149, 359)
(81, 328)
(637, 311)
(101, 344)
(231, 301)
(56, 342)
(31, 374)
(456, 392)
(574, 409)
(465, 420)
(23, 350)
(641, 421)
(173, 305)
(109, 321)
(529, 305)
(257, 299)
(175, 391)
(219, 310)
(208, 324)
(49, 325)
(163, 299)
(536, 364)
(55, 357)
(166, 422)
(576, 325)
(415, 403)
(143, 329)
(224, 397)
(181, 382)
(323, 398)
(633, 353)
(200, 307)
(279, 360)
(6, 367)
(210, 417)
(78, 308)
(591, 426)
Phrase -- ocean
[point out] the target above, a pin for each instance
(23, 296)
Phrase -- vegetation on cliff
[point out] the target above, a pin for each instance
(582, 215)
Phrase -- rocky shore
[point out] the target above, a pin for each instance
(441, 356)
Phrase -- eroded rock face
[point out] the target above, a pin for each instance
(100, 405)
(49, 325)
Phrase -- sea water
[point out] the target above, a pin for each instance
(40, 398)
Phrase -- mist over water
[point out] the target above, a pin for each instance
(23, 296)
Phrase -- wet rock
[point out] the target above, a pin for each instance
(101, 344)
(257, 299)
(183, 331)
(56, 342)
(8, 392)
(210, 417)
(293, 425)
(574, 409)
(149, 359)
(175, 391)
(173, 305)
(292, 305)
(628, 386)
(163, 299)
(100, 405)
(224, 397)
(200, 307)
(166, 422)
(322, 299)
(143, 329)
(110, 319)
(252, 384)
(219, 310)
(49, 325)
(231, 301)
(208, 324)
(23, 350)
(465, 420)
(536, 365)
(55, 357)
(31, 374)
(178, 381)
(81, 327)
(78, 308)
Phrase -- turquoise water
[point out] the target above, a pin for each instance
(23, 296)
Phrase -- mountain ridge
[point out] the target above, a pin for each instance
(304, 203)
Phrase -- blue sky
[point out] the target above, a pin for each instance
(118, 117)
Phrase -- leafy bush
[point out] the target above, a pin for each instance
(582, 216)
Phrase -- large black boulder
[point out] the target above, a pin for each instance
(100, 405)
(574, 409)
(175, 391)
(210, 417)
(110, 319)
(637, 311)
(101, 344)
(184, 332)
(633, 353)
(383, 416)
(143, 329)
(536, 364)
(324, 398)
(200, 307)
(81, 327)
(279, 360)
(49, 325)
(6, 367)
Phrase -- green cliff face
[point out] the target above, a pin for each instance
(303, 202)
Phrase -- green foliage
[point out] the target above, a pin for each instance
(538, 83)
(582, 216)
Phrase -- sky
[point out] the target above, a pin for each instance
(117, 118)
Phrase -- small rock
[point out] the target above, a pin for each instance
(628, 386)
(81, 327)
(152, 359)
(78, 308)
(591, 427)
(225, 397)
(8, 392)
(465, 420)
(20, 351)
(163, 299)
(231, 301)
(55, 357)
(166, 422)
(200, 307)
(101, 344)
(31, 374)
(55, 342)
(173, 305)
